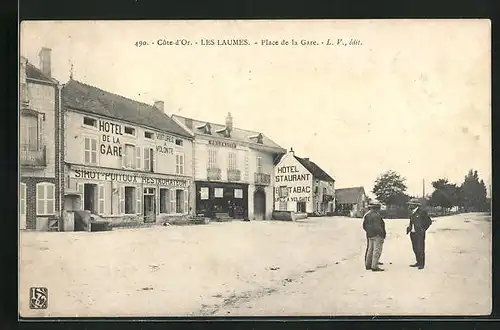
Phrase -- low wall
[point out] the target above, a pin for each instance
(288, 215)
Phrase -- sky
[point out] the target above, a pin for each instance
(413, 96)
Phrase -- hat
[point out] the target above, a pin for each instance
(415, 201)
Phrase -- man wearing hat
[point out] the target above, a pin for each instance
(374, 226)
(419, 223)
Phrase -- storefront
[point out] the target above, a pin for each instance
(227, 198)
(115, 193)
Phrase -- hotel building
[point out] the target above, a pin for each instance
(125, 158)
(233, 170)
(302, 186)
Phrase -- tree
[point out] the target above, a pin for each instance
(445, 194)
(390, 189)
(473, 193)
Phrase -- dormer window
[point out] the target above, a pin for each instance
(257, 138)
(206, 128)
(224, 131)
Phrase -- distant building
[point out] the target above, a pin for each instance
(40, 145)
(127, 159)
(352, 202)
(233, 169)
(302, 186)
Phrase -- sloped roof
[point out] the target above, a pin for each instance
(237, 134)
(32, 72)
(349, 195)
(87, 98)
(315, 170)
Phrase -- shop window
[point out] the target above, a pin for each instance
(22, 199)
(129, 157)
(90, 150)
(90, 121)
(149, 160)
(129, 130)
(149, 135)
(232, 161)
(164, 199)
(45, 198)
(179, 142)
(130, 200)
(218, 192)
(179, 163)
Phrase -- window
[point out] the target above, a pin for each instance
(283, 191)
(324, 190)
(138, 157)
(238, 193)
(29, 132)
(129, 156)
(129, 130)
(232, 161)
(219, 192)
(90, 150)
(90, 121)
(149, 135)
(179, 164)
(212, 158)
(178, 142)
(164, 198)
(149, 160)
(22, 199)
(130, 200)
(259, 164)
(45, 198)
(179, 201)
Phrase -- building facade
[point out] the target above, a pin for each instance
(40, 145)
(302, 186)
(233, 170)
(125, 158)
(352, 202)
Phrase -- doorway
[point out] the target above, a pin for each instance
(149, 211)
(90, 197)
(259, 204)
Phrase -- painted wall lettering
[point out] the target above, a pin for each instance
(110, 145)
(165, 150)
(222, 144)
(125, 177)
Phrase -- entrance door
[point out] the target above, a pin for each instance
(149, 205)
(259, 204)
(90, 197)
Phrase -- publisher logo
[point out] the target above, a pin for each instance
(39, 298)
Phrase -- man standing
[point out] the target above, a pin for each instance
(374, 226)
(419, 223)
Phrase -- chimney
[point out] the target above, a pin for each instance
(306, 159)
(23, 87)
(229, 122)
(45, 62)
(291, 151)
(189, 123)
(160, 105)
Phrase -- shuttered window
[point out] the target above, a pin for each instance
(45, 198)
(90, 150)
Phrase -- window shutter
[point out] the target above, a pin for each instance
(181, 157)
(100, 207)
(40, 199)
(186, 204)
(50, 198)
(93, 152)
(86, 150)
(81, 190)
(146, 159)
(22, 204)
(167, 201)
(153, 156)
(172, 201)
(139, 201)
(176, 164)
(121, 196)
(138, 157)
(40, 132)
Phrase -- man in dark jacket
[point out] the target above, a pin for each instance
(374, 226)
(419, 223)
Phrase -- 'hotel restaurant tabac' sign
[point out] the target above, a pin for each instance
(126, 177)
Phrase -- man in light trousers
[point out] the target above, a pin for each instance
(374, 226)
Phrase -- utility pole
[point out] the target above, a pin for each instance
(423, 188)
